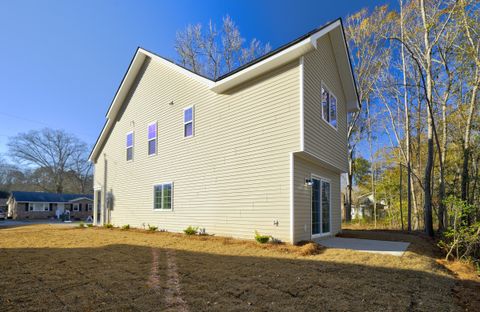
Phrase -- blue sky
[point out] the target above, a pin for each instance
(62, 61)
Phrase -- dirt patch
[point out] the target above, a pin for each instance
(467, 287)
(173, 292)
(98, 269)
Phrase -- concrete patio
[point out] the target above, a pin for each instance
(366, 245)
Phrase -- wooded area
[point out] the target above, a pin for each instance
(414, 147)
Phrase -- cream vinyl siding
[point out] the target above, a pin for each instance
(231, 178)
(321, 139)
(304, 169)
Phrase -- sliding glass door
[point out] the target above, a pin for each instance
(321, 204)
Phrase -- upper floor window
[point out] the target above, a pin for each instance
(162, 196)
(188, 125)
(130, 145)
(152, 138)
(329, 107)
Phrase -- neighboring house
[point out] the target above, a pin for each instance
(364, 208)
(260, 148)
(40, 205)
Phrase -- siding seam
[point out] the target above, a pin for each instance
(292, 200)
(302, 122)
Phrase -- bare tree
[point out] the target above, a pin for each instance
(365, 32)
(51, 150)
(214, 52)
(470, 21)
(232, 42)
(188, 45)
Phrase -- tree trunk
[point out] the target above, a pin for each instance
(348, 206)
(429, 165)
(407, 127)
(466, 142)
(401, 197)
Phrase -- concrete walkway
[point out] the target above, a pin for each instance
(366, 245)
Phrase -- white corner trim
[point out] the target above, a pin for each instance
(302, 110)
(314, 38)
(292, 201)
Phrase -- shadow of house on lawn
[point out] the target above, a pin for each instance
(116, 277)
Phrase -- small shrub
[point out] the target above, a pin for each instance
(191, 230)
(152, 228)
(461, 240)
(81, 225)
(262, 239)
(89, 224)
(126, 227)
(108, 226)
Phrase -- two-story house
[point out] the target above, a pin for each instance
(260, 148)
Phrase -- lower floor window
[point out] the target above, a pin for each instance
(76, 207)
(38, 207)
(89, 207)
(162, 196)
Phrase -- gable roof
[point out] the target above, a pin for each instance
(282, 55)
(48, 197)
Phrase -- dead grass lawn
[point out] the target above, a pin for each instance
(46, 267)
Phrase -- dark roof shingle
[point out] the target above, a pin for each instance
(47, 197)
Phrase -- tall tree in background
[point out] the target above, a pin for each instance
(365, 35)
(53, 153)
(216, 52)
(470, 28)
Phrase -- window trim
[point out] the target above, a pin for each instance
(156, 138)
(77, 205)
(324, 86)
(127, 147)
(171, 197)
(321, 179)
(192, 122)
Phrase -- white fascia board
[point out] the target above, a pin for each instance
(130, 76)
(281, 58)
(314, 38)
(346, 70)
(93, 155)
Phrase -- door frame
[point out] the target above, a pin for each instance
(320, 178)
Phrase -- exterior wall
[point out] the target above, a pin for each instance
(18, 211)
(304, 169)
(231, 178)
(320, 138)
(83, 214)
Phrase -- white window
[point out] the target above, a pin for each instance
(152, 138)
(162, 196)
(329, 107)
(89, 207)
(76, 207)
(129, 146)
(38, 207)
(188, 123)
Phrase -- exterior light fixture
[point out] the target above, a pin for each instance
(308, 182)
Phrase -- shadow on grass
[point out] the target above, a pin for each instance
(115, 278)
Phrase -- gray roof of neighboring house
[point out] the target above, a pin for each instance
(48, 197)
